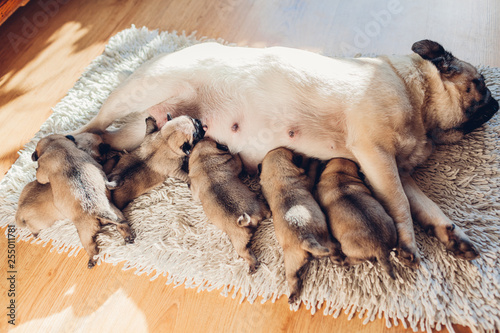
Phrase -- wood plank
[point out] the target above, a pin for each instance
(8, 7)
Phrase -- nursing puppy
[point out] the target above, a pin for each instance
(227, 202)
(162, 154)
(357, 220)
(384, 113)
(77, 186)
(299, 223)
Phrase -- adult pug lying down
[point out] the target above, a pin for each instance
(384, 113)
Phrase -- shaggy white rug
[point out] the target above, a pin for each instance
(174, 238)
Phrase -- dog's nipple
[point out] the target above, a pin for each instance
(291, 133)
(235, 127)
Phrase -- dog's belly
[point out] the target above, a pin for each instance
(255, 100)
(254, 136)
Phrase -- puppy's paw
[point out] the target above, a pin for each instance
(91, 263)
(293, 298)
(459, 244)
(252, 268)
(338, 258)
(408, 257)
(130, 239)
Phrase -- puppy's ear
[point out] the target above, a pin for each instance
(151, 125)
(169, 116)
(104, 148)
(222, 147)
(297, 159)
(186, 148)
(34, 156)
(71, 137)
(434, 52)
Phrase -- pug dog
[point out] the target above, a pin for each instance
(73, 186)
(384, 113)
(162, 154)
(227, 202)
(356, 219)
(299, 223)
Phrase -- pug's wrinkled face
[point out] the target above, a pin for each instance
(467, 88)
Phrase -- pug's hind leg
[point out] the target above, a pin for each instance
(87, 230)
(295, 265)
(435, 222)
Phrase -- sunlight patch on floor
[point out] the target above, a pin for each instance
(118, 305)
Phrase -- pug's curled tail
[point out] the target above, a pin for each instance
(311, 245)
(244, 220)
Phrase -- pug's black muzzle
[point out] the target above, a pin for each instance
(480, 113)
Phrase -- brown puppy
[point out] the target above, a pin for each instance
(357, 220)
(78, 187)
(36, 210)
(100, 151)
(299, 223)
(161, 155)
(227, 202)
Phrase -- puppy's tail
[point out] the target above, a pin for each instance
(311, 245)
(244, 220)
(385, 262)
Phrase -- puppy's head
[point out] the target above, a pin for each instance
(277, 162)
(208, 149)
(53, 141)
(92, 144)
(341, 166)
(278, 156)
(182, 133)
(467, 88)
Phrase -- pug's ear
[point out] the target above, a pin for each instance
(104, 148)
(151, 125)
(434, 52)
(71, 137)
(221, 147)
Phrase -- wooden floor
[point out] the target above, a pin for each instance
(45, 46)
